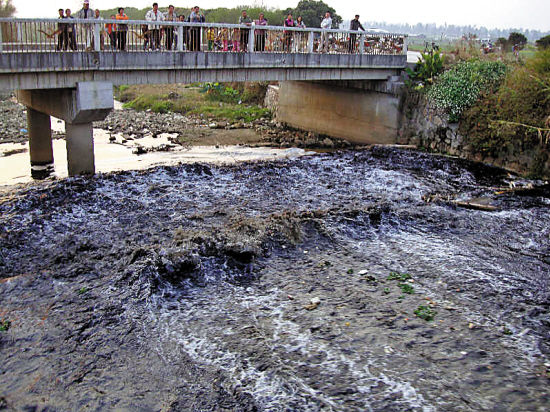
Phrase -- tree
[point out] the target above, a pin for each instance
(313, 12)
(517, 38)
(543, 42)
(6, 8)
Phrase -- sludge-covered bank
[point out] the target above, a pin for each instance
(325, 283)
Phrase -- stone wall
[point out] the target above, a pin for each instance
(426, 126)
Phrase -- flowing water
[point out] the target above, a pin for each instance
(264, 286)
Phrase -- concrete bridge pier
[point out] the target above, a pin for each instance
(40, 138)
(90, 101)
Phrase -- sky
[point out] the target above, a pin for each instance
(526, 14)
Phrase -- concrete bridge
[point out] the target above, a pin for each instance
(73, 80)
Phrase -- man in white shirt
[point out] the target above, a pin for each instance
(86, 13)
(326, 23)
(154, 29)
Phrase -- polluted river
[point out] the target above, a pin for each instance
(342, 281)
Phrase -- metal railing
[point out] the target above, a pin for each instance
(71, 35)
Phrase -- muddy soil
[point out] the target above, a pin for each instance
(192, 130)
(269, 286)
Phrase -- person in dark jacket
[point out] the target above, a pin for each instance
(355, 25)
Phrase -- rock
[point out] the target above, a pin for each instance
(313, 303)
(213, 125)
(327, 142)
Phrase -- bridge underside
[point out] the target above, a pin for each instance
(64, 70)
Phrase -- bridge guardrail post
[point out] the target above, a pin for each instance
(362, 43)
(1, 41)
(251, 39)
(310, 41)
(405, 45)
(97, 37)
(180, 38)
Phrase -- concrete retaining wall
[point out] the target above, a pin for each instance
(355, 115)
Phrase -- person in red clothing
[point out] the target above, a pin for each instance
(111, 31)
(287, 38)
(122, 30)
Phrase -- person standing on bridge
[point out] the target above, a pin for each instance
(111, 31)
(61, 33)
(86, 13)
(245, 33)
(287, 35)
(97, 16)
(122, 29)
(194, 37)
(260, 34)
(71, 31)
(326, 24)
(154, 15)
(355, 25)
(169, 31)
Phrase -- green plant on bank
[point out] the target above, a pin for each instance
(386, 291)
(82, 290)
(461, 86)
(406, 288)
(220, 92)
(516, 117)
(430, 65)
(4, 325)
(425, 312)
(399, 276)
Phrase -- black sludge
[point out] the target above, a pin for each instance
(347, 281)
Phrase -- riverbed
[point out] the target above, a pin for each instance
(277, 285)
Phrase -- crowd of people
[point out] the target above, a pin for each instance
(156, 36)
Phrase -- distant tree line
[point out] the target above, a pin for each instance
(434, 30)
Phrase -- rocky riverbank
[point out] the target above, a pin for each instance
(429, 127)
(185, 130)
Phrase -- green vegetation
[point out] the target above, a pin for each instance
(231, 102)
(427, 68)
(7, 9)
(313, 12)
(399, 276)
(4, 325)
(350, 271)
(425, 312)
(406, 288)
(543, 42)
(460, 87)
(386, 291)
(517, 115)
(82, 290)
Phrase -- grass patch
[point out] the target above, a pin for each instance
(425, 312)
(399, 276)
(215, 101)
(82, 290)
(406, 288)
(4, 325)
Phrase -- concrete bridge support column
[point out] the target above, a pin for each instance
(79, 107)
(40, 138)
(80, 148)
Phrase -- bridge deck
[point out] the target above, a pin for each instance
(33, 56)
(43, 70)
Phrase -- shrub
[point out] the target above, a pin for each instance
(429, 66)
(543, 42)
(462, 85)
